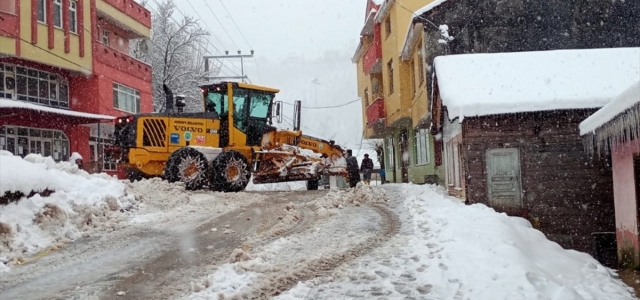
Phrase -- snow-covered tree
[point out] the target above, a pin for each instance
(175, 52)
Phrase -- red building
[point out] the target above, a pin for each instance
(65, 73)
(614, 131)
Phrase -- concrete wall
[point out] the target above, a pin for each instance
(626, 210)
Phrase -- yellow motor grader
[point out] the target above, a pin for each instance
(227, 143)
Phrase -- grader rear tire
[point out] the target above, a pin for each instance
(230, 172)
(187, 165)
(312, 185)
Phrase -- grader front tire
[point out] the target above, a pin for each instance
(312, 185)
(230, 172)
(187, 165)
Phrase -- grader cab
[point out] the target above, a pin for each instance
(223, 146)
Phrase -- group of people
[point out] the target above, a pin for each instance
(366, 167)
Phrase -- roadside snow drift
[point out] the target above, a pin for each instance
(80, 202)
(447, 250)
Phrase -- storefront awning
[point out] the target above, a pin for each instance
(12, 108)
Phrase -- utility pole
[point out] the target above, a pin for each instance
(241, 56)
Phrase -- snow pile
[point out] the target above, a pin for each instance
(486, 84)
(280, 186)
(71, 203)
(447, 250)
(162, 203)
(350, 197)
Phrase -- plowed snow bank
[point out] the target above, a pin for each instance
(448, 250)
(80, 203)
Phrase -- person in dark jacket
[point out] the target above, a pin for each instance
(352, 169)
(366, 167)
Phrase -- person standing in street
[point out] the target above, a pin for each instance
(352, 169)
(366, 168)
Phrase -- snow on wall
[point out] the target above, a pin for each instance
(499, 83)
(616, 123)
(410, 37)
(18, 104)
(623, 102)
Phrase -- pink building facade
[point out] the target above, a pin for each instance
(614, 131)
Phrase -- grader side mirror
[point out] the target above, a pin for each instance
(277, 111)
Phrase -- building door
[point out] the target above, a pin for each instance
(504, 188)
(404, 155)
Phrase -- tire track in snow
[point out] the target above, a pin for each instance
(275, 284)
(165, 276)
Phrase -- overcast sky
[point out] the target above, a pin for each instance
(302, 47)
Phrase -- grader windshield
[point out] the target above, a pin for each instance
(250, 105)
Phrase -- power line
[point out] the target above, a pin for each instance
(241, 34)
(419, 17)
(313, 131)
(221, 25)
(234, 22)
(324, 107)
(208, 41)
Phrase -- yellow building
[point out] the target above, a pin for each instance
(392, 84)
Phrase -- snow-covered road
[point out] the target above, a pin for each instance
(106, 239)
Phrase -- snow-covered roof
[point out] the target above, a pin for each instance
(367, 29)
(4, 103)
(383, 10)
(623, 102)
(487, 84)
(411, 36)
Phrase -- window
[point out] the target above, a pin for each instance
(260, 105)
(389, 154)
(390, 75)
(239, 109)
(387, 26)
(35, 86)
(7, 81)
(421, 69)
(73, 17)
(126, 98)
(216, 102)
(422, 147)
(42, 11)
(57, 13)
(25, 140)
(366, 97)
(413, 78)
(105, 37)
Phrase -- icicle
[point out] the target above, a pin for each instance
(623, 128)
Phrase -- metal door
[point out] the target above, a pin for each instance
(503, 180)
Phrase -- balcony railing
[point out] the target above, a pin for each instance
(120, 61)
(372, 58)
(376, 112)
(133, 10)
(10, 24)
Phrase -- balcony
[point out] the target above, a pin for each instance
(372, 62)
(376, 113)
(10, 21)
(127, 14)
(120, 61)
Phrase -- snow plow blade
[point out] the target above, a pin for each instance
(290, 163)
